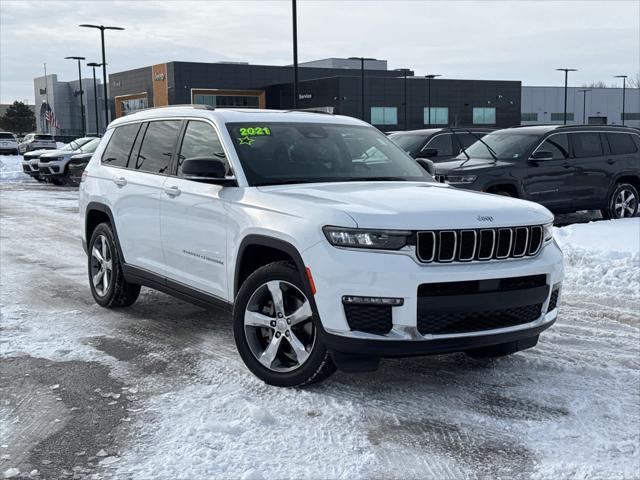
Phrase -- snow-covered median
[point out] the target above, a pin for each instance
(11, 170)
(602, 255)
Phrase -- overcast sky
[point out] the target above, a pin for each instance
(511, 40)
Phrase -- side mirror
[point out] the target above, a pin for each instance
(428, 165)
(428, 153)
(206, 170)
(542, 155)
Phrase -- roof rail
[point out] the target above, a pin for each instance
(195, 106)
(311, 110)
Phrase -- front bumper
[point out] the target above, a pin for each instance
(339, 272)
(51, 169)
(30, 167)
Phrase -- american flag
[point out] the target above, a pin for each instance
(50, 117)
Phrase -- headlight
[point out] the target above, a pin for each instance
(461, 178)
(548, 232)
(360, 238)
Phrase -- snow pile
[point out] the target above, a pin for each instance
(11, 170)
(602, 255)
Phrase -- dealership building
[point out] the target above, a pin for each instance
(333, 85)
(393, 99)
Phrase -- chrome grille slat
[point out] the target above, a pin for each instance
(481, 244)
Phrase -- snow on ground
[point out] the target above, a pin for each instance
(179, 404)
(11, 170)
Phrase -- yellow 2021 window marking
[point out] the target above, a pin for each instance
(250, 131)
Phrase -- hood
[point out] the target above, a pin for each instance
(37, 153)
(56, 153)
(470, 165)
(414, 205)
(82, 156)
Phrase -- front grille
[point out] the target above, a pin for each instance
(369, 318)
(26, 168)
(553, 301)
(443, 246)
(442, 323)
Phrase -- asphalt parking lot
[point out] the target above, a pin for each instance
(157, 390)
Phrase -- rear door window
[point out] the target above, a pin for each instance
(558, 145)
(621, 143)
(117, 152)
(157, 147)
(442, 143)
(586, 144)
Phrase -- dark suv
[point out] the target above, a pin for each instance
(438, 144)
(564, 168)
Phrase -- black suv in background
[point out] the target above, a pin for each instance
(564, 168)
(438, 144)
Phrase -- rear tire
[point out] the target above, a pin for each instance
(623, 202)
(503, 349)
(276, 331)
(106, 279)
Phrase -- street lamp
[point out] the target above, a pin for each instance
(624, 87)
(566, 76)
(584, 104)
(81, 92)
(429, 77)
(95, 92)
(404, 72)
(295, 53)
(102, 28)
(362, 60)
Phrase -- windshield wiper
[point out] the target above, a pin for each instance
(284, 181)
(491, 151)
(372, 179)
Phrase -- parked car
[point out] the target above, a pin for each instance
(8, 143)
(564, 168)
(37, 141)
(438, 144)
(52, 166)
(325, 257)
(75, 168)
(30, 159)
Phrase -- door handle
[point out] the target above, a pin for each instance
(120, 181)
(172, 191)
(611, 161)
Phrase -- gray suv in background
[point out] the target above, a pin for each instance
(564, 168)
(438, 144)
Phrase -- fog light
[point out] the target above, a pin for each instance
(382, 301)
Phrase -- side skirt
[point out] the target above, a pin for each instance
(141, 276)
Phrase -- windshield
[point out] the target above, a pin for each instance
(279, 153)
(409, 143)
(506, 145)
(70, 147)
(90, 146)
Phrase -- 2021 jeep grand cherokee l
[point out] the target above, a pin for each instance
(331, 246)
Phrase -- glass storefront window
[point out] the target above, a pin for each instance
(227, 101)
(384, 116)
(439, 116)
(484, 116)
(132, 106)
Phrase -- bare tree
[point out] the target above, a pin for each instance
(634, 81)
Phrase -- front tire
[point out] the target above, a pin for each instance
(106, 279)
(276, 331)
(623, 202)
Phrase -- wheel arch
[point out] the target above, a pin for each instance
(507, 185)
(633, 179)
(95, 214)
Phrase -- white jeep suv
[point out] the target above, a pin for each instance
(330, 245)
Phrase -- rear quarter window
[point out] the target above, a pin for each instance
(117, 152)
(621, 143)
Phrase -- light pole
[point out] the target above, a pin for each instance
(566, 77)
(584, 104)
(362, 60)
(95, 92)
(295, 53)
(404, 72)
(624, 87)
(102, 28)
(429, 77)
(84, 131)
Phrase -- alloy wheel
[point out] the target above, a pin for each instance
(625, 204)
(101, 265)
(278, 326)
